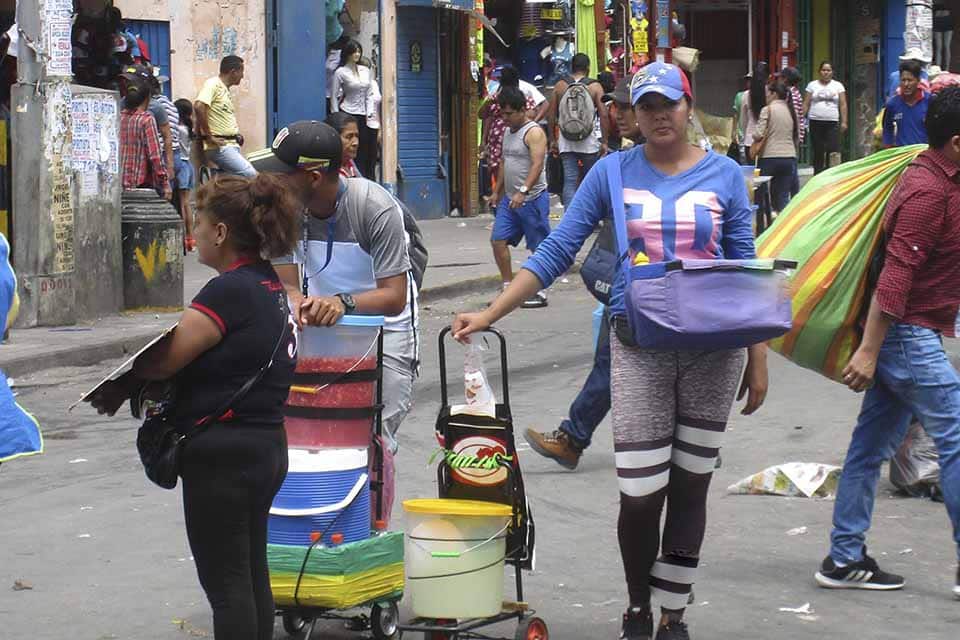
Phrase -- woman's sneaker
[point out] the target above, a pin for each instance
(673, 631)
(956, 585)
(865, 574)
(637, 624)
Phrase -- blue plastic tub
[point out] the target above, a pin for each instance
(326, 491)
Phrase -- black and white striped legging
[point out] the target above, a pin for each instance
(670, 409)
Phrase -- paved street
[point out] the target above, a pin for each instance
(106, 554)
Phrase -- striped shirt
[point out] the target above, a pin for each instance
(173, 118)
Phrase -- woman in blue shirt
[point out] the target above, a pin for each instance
(670, 408)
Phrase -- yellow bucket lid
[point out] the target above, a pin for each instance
(451, 507)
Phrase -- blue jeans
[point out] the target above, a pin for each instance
(592, 404)
(571, 172)
(230, 160)
(913, 378)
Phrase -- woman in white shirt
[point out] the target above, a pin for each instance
(350, 93)
(825, 103)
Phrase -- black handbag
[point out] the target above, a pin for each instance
(160, 441)
(600, 265)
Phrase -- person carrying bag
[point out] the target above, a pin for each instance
(677, 207)
(222, 429)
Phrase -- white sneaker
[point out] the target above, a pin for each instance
(536, 302)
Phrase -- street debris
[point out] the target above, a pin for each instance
(804, 610)
(22, 585)
(792, 479)
(906, 551)
(84, 535)
(191, 630)
(77, 460)
(799, 531)
(86, 508)
(565, 280)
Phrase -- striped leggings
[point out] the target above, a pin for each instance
(670, 409)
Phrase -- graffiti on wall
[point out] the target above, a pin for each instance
(225, 41)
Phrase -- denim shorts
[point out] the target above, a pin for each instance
(531, 221)
(184, 174)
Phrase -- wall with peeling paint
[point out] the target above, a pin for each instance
(201, 33)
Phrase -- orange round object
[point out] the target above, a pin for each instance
(337, 538)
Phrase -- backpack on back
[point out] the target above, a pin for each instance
(417, 249)
(577, 111)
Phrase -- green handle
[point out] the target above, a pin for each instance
(445, 554)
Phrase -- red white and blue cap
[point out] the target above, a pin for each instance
(668, 80)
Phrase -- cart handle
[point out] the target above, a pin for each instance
(444, 399)
(330, 508)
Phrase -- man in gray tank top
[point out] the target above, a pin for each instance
(524, 208)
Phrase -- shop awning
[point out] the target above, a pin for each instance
(460, 5)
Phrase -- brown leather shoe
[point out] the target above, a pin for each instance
(556, 445)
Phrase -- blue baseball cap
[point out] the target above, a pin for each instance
(668, 80)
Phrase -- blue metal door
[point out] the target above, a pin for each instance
(157, 36)
(422, 182)
(296, 73)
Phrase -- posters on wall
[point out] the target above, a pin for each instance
(58, 20)
(95, 146)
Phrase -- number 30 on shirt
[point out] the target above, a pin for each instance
(688, 227)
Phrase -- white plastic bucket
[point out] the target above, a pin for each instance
(454, 553)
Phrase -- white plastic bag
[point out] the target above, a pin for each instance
(915, 469)
(478, 394)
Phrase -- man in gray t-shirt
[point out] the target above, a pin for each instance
(353, 254)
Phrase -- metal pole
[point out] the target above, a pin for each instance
(750, 36)
(388, 121)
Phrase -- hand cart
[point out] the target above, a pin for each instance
(300, 618)
(451, 429)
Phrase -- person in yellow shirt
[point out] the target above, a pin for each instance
(216, 120)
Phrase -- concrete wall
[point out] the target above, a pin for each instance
(204, 31)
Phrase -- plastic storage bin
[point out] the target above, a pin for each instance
(326, 491)
(334, 389)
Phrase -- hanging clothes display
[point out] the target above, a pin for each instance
(587, 33)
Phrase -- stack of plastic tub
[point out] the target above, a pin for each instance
(329, 422)
(324, 548)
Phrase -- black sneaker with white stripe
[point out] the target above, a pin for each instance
(865, 574)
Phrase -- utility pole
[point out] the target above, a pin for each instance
(43, 199)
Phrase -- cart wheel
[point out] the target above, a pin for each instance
(294, 624)
(532, 629)
(384, 620)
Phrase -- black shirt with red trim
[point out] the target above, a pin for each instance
(248, 304)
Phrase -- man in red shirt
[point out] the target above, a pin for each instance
(141, 157)
(901, 362)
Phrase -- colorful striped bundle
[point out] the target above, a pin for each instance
(831, 228)
(339, 577)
